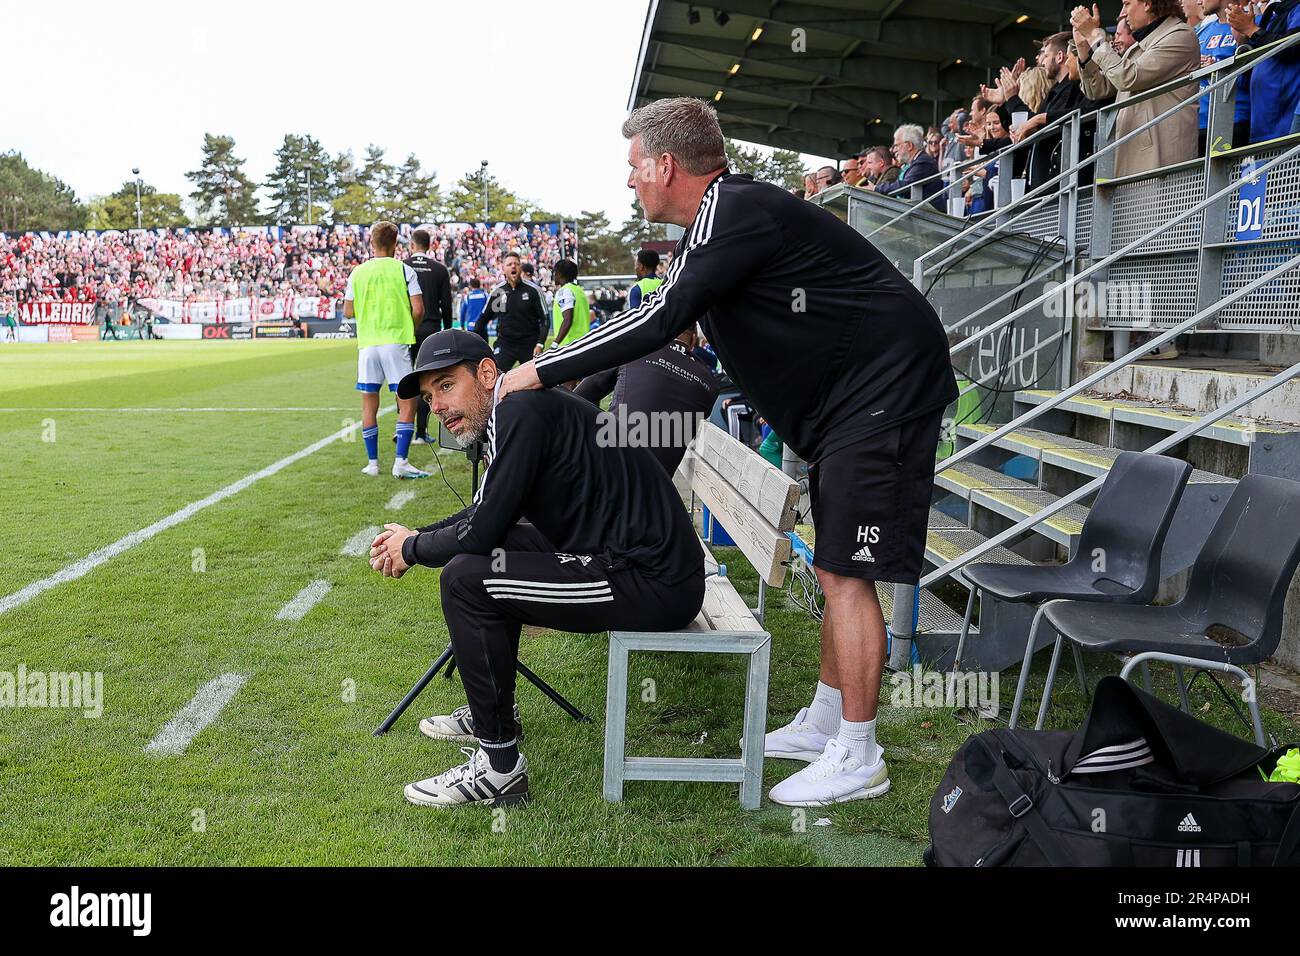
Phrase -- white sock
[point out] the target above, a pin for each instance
(374, 461)
(398, 462)
(826, 707)
(859, 739)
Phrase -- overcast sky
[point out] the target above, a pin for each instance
(537, 89)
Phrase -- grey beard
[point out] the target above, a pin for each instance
(468, 439)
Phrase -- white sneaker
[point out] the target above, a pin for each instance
(404, 469)
(798, 740)
(459, 726)
(834, 777)
(371, 469)
(472, 782)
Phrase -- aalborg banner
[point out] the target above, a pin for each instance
(56, 313)
(244, 309)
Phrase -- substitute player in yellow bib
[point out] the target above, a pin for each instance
(383, 295)
(571, 312)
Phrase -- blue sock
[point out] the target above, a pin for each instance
(405, 430)
(371, 437)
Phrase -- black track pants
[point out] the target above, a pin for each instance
(487, 599)
(510, 353)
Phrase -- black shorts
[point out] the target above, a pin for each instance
(871, 503)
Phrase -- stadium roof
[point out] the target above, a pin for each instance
(865, 66)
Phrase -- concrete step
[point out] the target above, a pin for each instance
(1063, 528)
(1231, 429)
(1233, 446)
(1202, 384)
(947, 544)
(1073, 454)
(966, 477)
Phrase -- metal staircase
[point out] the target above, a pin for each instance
(1024, 470)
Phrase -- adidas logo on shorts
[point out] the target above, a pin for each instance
(863, 554)
(1189, 825)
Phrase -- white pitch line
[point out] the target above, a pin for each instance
(83, 566)
(304, 601)
(202, 710)
(278, 408)
(400, 500)
(359, 543)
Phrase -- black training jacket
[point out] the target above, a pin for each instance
(520, 313)
(670, 380)
(435, 286)
(587, 497)
(809, 319)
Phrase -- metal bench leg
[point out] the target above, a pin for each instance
(1024, 667)
(615, 719)
(1051, 678)
(965, 628)
(761, 611)
(751, 788)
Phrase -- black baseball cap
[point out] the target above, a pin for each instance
(442, 350)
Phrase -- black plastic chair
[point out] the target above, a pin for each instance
(1239, 583)
(1117, 560)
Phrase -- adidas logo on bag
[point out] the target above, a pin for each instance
(1189, 825)
(863, 554)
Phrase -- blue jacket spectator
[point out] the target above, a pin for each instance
(473, 305)
(1217, 42)
(1275, 83)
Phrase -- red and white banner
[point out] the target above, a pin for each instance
(248, 309)
(56, 313)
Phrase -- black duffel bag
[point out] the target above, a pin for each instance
(1140, 784)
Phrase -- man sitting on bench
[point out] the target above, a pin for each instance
(565, 532)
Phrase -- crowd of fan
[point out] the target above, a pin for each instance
(115, 267)
(1087, 67)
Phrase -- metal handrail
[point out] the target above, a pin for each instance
(1089, 380)
(1187, 431)
(1103, 263)
(1004, 220)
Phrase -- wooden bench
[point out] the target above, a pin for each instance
(756, 504)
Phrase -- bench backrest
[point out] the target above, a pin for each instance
(755, 501)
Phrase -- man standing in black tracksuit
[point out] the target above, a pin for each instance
(606, 544)
(435, 286)
(845, 359)
(670, 389)
(520, 313)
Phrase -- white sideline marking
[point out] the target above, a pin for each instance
(400, 501)
(202, 710)
(82, 567)
(304, 601)
(359, 543)
(278, 408)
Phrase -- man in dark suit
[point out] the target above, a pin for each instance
(909, 151)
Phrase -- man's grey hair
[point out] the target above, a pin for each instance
(911, 133)
(683, 126)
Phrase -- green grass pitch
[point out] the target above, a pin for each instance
(99, 441)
